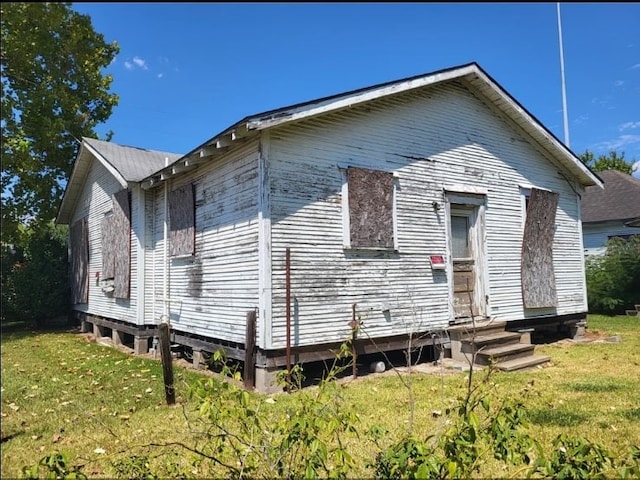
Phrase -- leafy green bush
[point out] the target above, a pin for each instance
(477, 428)
(54, 466)
(576, 458)
(246, 438)
(613, 279)
(35, 279)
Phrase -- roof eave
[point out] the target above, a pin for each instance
(471, 72)
(76, 180)
(536, 130)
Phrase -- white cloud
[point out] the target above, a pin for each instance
(581, 119)
(140, 63)
(618, 83)
(637, 65)
(137, 62)
(629, 126)
(160, 75)
(621, 141)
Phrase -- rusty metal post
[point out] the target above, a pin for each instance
(354, 331)
(287, 300)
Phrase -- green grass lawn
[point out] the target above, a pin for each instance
(100, 405)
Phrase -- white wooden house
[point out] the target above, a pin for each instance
(610, 212)
(408, 206)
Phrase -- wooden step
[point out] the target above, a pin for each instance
(503, 353)
(524, 363)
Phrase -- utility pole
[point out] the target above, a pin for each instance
(564, 90)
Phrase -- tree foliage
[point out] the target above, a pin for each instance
(35, 284)
(611, 161)
(613, 279)
(53, 92)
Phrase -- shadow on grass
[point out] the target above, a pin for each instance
(633, 414)
(558, 418)
(12, 331)
(595, 387)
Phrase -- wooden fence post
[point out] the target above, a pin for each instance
(167, 367)
(249, 353)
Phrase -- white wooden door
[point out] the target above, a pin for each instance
(466, 262)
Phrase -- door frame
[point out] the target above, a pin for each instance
(476, 204)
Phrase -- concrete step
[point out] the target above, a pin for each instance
(466, 330)
(524, 363)
(503, 353)
(632, 313)
(490, 340)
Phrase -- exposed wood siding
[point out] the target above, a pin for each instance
(94, 203)
(211, 292)
(429, 139)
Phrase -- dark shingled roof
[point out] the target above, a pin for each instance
(619, 200)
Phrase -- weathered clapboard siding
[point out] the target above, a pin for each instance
(430, 139)
(96, 201)
(211, 292)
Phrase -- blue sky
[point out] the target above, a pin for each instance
(186, 71)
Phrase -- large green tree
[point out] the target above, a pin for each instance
(54, 91)
(611, 161)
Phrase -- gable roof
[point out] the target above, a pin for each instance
(618, 201)
(126, 164)
(470, 75)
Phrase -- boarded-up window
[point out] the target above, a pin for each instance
(370, 208)
(116, 245)
(79, 246)
(538, 277)
(182, 221)
(108, 249)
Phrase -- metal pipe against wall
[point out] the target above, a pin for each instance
(165, 286)
(287, 266)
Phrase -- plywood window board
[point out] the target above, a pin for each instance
(370, 203)
(182, 221)
(79, 246)
(538, 276)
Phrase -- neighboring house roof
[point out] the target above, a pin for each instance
(126, 164)
(470, 75)
(618, 201)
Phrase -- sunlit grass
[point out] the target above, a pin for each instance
(100, 405)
